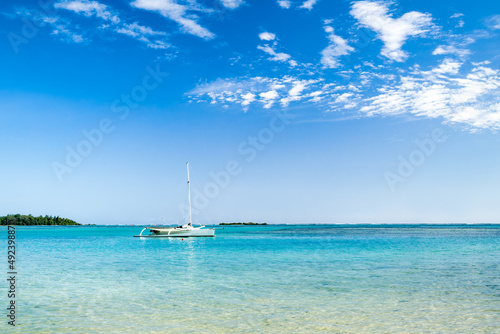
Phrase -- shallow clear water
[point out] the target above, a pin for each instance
(264, 279)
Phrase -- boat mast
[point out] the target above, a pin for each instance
(189, 195)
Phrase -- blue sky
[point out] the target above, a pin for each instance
(288, 111)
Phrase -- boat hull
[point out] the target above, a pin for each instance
(180, 233)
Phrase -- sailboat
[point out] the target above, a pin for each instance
(186, 230)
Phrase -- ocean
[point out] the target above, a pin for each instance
(256, 279)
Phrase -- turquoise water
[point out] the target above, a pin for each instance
(263, 279)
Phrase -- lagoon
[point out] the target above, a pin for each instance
(258, 279)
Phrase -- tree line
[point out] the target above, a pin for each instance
(31, 220)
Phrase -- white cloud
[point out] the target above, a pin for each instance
(89, 8)
(315, 96)
(337, 47)
(449, 91)
(257, 89)
(94, 8)
(221, 86)
(177, 13)
(266, 91)
(493, 22)
(64, 33)
(486, 62)
(59, 26)
(232, 4)
(268, 98)
(276, 56)
(295, 93)
(63, 28)
(343, 98)
(284, 3)
(460, 22)
(143, 34)
(308, 4)
(392, 32)
(448, 66)
(247, 99)
(157, 44)
(267, 36)
(298, 87)
(450, 50)
(136, 30)
(270, 95)
(471, 99)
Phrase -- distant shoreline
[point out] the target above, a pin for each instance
(29, 220)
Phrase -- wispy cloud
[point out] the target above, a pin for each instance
(284, 3)
(458, 45)
(62, 31)
(471, 98)
(136, 30)
(451, 50)
(267, 36)
(89, 8)
(262, 90)
(448, 91)
(232, 4)
(308, 4)
(270, 49)
(493, 22)
(336, 48)
(179, 13)
(144, 34)
(275, 56)
(393, 32)
(59, 27)
(296, 92)
(460, 22)
(64, 28)
(453, 90)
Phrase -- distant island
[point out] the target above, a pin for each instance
(31, 220)
(249, 223)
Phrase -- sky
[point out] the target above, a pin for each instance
(310, 111)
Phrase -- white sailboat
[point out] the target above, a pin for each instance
(186, 230)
